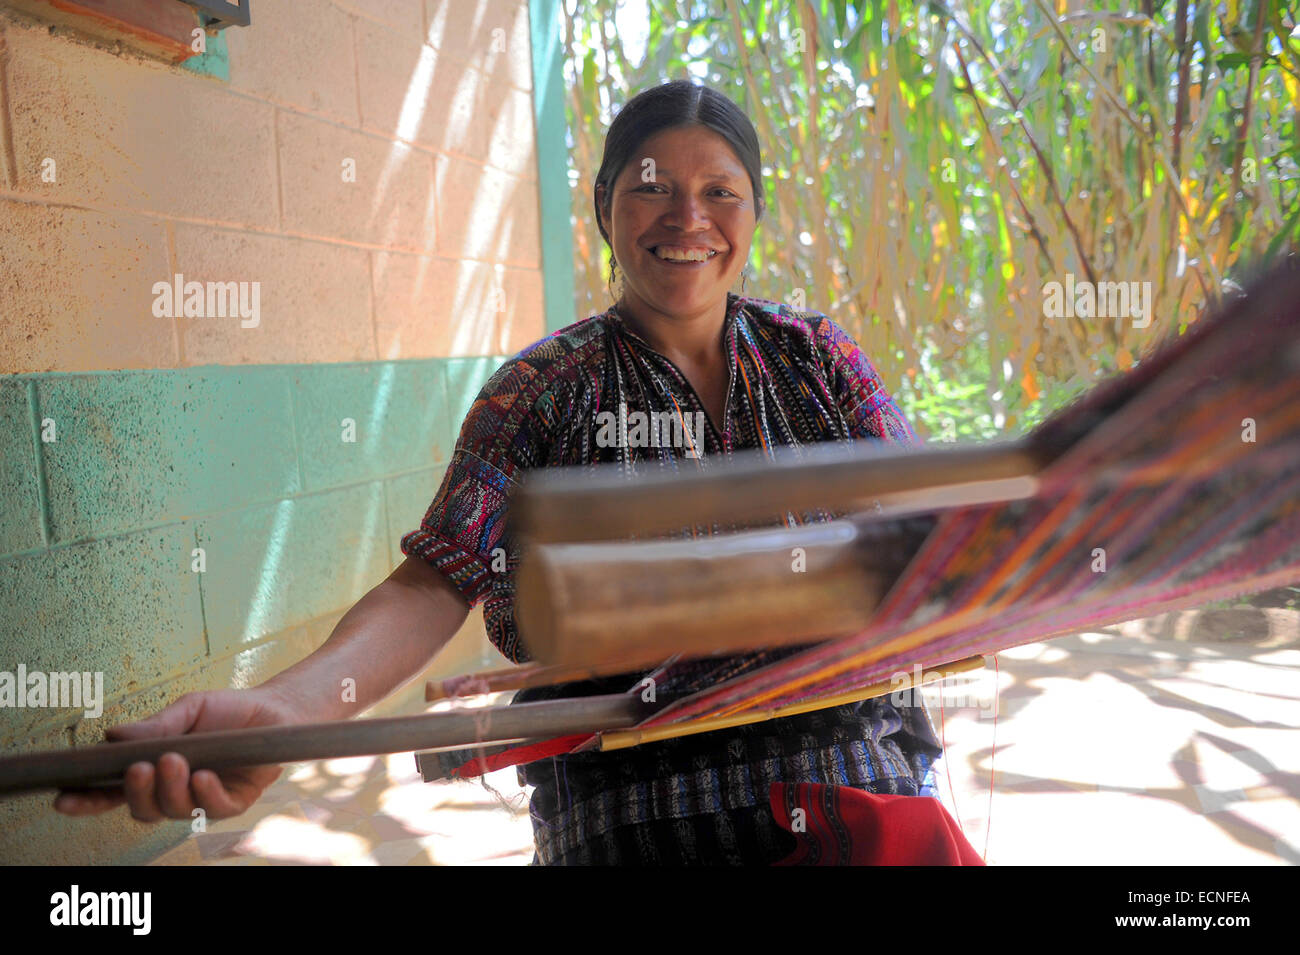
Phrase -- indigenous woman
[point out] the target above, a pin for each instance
(678, 197)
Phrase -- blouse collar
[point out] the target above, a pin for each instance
(735, 304)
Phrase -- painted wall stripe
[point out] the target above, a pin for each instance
(552, 162)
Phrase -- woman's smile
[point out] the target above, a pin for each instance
(684, 257)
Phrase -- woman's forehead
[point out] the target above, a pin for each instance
(708, 158)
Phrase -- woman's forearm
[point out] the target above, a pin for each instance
(389, 635)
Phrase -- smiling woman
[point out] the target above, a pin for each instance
(678, 198)
(679, 372)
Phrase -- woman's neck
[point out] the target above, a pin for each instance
(686, 340)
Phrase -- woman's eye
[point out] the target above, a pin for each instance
(727, 192)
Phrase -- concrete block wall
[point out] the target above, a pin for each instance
(129, 439)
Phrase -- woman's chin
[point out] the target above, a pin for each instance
(676, 299)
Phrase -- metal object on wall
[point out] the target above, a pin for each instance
(219, 14)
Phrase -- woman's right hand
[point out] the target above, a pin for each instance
(170, 790)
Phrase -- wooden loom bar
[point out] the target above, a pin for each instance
(576, 505)
(106, 764)
(623, 602)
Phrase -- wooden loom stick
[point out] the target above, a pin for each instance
(106, 764)
(621, 739)
(576, 505)
(622, 602)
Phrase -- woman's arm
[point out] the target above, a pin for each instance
(389, 635)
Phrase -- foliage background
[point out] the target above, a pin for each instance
(929, 166)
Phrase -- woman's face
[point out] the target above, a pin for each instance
(696, 195)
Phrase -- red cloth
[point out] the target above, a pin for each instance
(479, 766)
(840, 825)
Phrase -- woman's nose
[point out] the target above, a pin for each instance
(686, 211)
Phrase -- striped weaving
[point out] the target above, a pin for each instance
(1157, 474)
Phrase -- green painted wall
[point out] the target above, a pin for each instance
(251, 464)
(552, 162)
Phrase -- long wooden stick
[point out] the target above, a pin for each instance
(582, 504)
(624, 602)
(106, 764)
(434, 766)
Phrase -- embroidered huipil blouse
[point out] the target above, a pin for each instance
(796, 378)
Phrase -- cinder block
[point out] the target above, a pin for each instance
(491, 35)
(398, 416)
(404, 16)
(239, 670)
(485, 214)
(32, 833)
(272, 568)
(427, 307)
(409, 497)
(512, 139)
(420, 302)
(388, 202)
(314, 299)
(20, 518)
(125, 606)
(138, 135)
(524, 320)
(136, 449)
(300, 55)
(254, 666)
(76, 290)
(409, 91)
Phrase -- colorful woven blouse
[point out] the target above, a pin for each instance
(597, 393)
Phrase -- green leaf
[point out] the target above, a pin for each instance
(1230, 61)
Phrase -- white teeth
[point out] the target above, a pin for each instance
(683, 255)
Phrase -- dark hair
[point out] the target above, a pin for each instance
(678, 103)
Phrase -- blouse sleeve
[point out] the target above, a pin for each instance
(865, 403)
(463, 534)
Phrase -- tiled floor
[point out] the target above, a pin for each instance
(1158, 741)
